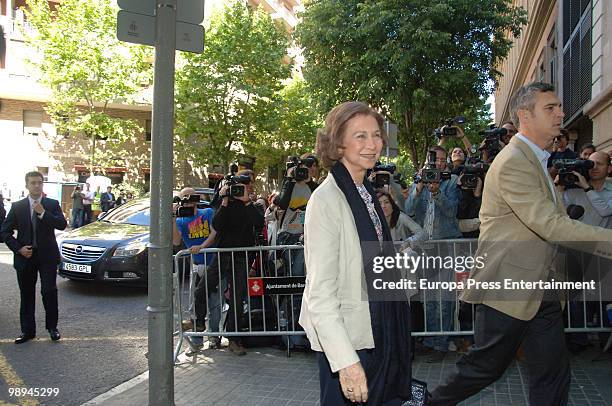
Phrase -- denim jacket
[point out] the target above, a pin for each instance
(445, 224)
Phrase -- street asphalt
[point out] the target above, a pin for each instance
(104, 341)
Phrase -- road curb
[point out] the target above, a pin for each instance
(118, 389)
(125, 386)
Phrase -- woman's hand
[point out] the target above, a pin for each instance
(353, 383)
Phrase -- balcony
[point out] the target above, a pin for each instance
(278, 9)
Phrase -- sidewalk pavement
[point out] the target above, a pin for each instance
(266, 376)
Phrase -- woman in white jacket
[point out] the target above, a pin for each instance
(363, 340)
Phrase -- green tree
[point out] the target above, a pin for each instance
(295, 134)
(227, 97)
(80, 59)
(418, 61)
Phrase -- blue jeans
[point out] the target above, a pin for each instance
(440, 309)
(216, 302)
(77, 218)
(432, 321)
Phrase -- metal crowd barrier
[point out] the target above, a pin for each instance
(273, 290)
(274, 278)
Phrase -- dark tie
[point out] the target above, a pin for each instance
(34, 227)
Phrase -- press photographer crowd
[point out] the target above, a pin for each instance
(490, 189)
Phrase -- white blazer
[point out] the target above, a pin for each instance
(335, 312)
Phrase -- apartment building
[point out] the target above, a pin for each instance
(30, 141)
(29, 138)
(566, 43)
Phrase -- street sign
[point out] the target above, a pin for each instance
(135, 28)
(189, 37)
(187, 11)
(140, 29)
(146, 7)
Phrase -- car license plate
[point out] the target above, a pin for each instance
(76, 267)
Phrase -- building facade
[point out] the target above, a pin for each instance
(566, 43)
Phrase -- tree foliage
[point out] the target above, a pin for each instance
(86, 68)
(418, 61)
(228, 96)
(295, 133)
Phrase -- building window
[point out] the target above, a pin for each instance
(147, 130)
(577, 64)
(32, 122)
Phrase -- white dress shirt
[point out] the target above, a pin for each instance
(32, 203)
(542, 156)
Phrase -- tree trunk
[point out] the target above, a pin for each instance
(93, 155)
(412, 147)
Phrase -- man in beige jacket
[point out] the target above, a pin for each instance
(522, 220)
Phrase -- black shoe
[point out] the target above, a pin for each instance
(24, 338)
(54, 334)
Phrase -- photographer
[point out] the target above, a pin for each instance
(292, 200)
(469, 204)
(77, 207)
(511, 131)
(296, 190)
(560, 151)
(591, 200)
(586, 150)
(458, 157)
(434, 207)
(385, 179)
(238, 222)
(193, 227)
(453, 131)
(594, 195)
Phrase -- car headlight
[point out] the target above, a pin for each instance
(130, 250)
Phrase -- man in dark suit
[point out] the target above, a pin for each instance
(107, 200)
(35, 218)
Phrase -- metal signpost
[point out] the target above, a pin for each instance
(392, 146)
(157, 23)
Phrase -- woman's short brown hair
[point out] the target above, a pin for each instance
(330, 139)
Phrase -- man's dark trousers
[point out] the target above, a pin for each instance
(497, 337)
(26, 278)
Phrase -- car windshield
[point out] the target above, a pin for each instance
(135, 212)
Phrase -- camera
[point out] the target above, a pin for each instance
(432, 174)
(492, 138)
(567, 166)
(301, 171)
(471, 172)
(236, 184)
(182, 210)
(448, 129)
(400, 180)
(382, 179)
